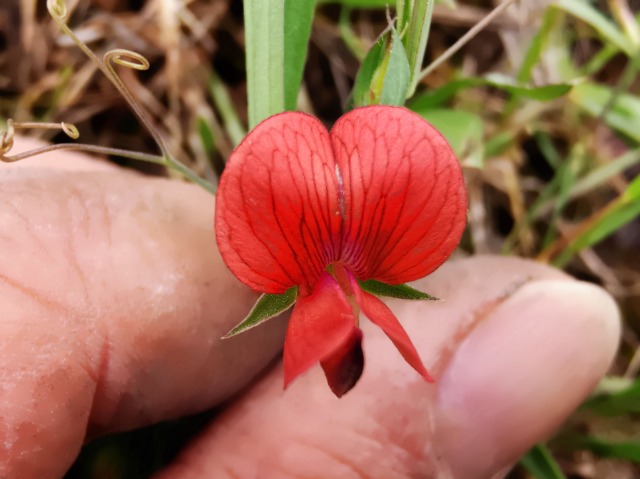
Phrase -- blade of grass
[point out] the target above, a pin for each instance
(537, 46)
(224, 105)
(356, 46)
(567, 173)
(622, 398)
(540, 463)
(298, 15)
(437, 97)
(264, 38)
(597, 227)
(597, 178)
(627, 450)
(622, 113)
(589, 14)
(414, 28)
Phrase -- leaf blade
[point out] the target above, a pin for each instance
(400, 291)
(267, 307)
(298, 16)
(264, 38)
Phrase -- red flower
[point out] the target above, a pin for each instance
(381, 197)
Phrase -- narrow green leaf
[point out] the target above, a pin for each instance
(403, 14)
(540, 463)
(463, 130)
(622, 398)
(627, 450)
(395, 70)
(622, 115)
(206, 137)
(362, 94)
(267, 306)
(499, 143)
(415, 31)
(623, 210)
(540, 93)
(355, 45)
(264, 38)
(537, 46)
(361, 3)
(298, 15)
(439, 96)
(402, 291)
(590, 14)
(224, 105)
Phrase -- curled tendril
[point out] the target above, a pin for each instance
(6, 140)
(6, 137)
(126, 58)
(57, 9)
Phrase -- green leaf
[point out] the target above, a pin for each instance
(361, 3)
(623, 398)
(540, 93)
(439, 96)
(267, 306)
(384, 75)
(622, 115)
(362, 94)
(590, 14)
(627, 450)
(620, 212)
(395, 70)
(537, 46)
(206, 136)
(264, 38)
(540, 463)
(224, 105)
(402, 291)
(463, 130)
(414, 23)
(298, 15)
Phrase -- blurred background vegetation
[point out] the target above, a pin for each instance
(541, 106)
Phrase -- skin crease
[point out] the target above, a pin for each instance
(113, 297)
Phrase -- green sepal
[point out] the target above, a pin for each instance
(395, 70)
(384, 76)
(401, 291)
(267, 306)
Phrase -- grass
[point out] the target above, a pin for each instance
(541, 106)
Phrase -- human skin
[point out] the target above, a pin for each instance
(113, 298)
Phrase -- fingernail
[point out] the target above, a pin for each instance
(522, 371)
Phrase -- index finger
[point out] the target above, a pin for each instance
(113, 299)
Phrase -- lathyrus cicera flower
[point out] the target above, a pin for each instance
(324, 219)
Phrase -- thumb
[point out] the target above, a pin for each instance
(514, 346)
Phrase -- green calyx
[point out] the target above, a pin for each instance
(267, 306)
(401, 291)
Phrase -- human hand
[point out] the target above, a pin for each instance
(113, 299)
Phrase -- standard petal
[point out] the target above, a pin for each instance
(403, 194)
(322, 328)
(380, 314)
(277, 211)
